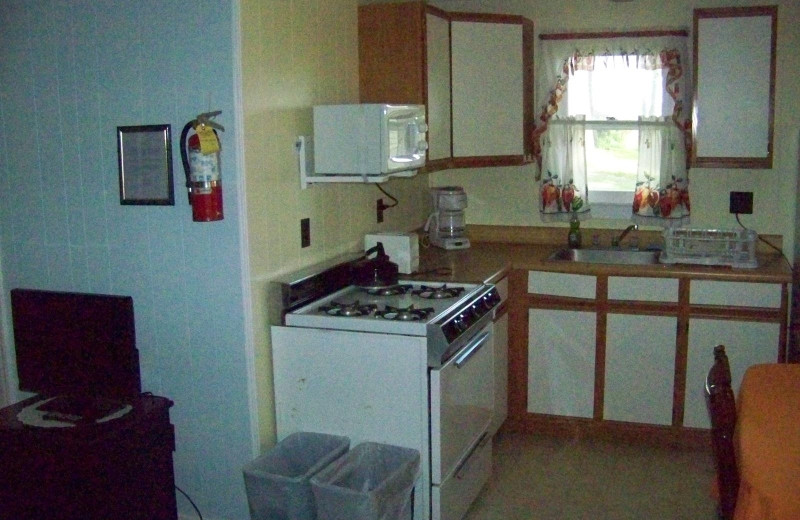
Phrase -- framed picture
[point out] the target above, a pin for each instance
(145, 165)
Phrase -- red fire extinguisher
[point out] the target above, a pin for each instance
(200, 156)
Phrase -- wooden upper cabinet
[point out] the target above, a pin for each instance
(473, 72)
(391, 53)
(734, 87)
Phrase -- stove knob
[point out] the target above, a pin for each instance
(460, 322)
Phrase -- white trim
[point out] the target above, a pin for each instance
(244, 257)
(8, 394)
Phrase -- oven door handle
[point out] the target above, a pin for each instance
(459, 472)
(471, 349)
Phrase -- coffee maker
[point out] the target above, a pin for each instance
(446, 226)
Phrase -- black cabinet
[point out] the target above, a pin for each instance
(120, 469)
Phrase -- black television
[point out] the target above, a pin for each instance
(75, 344)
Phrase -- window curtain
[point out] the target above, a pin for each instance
(559, 58)
(563, 191)
(662, 194)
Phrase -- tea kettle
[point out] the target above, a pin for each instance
(374, 273)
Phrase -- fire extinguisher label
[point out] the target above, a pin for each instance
(208, 139)
(203, 168)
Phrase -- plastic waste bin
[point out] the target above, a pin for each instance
(370, 482)
(278, 482)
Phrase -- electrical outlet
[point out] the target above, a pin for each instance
(379, 210)
(305, 232)
(741, 202)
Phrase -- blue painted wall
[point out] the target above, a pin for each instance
(70, 73)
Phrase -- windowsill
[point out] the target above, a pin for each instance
(613, 211)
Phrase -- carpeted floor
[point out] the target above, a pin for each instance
(544, 478)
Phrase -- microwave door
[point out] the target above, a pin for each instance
(406, 142)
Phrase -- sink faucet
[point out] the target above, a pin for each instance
(616, 241)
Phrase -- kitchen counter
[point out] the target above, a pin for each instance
(491, 261)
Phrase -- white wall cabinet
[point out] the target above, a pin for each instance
(734, 76)
(488, 89)
(473, 71)
(438, 99)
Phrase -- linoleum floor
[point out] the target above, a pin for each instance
(545, 478)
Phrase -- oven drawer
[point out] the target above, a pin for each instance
(461, 403)
(451, 499)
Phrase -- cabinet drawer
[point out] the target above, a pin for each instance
(736, 294)
(451, 499)
(642, 289)
(562, 284)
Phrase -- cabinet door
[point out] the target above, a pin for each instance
(640, 367)
(500, 373)
(391, 53)
(746, 343)
(438, 73)
(734, 86)
(561, 355)
(487, 85)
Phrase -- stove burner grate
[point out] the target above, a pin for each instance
(409, 313)
(348, 309)
(437, 293)
(390, 290)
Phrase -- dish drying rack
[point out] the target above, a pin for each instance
(736, 247)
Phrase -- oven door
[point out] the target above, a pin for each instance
(462, 402)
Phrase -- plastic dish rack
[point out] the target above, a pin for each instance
(736, 248)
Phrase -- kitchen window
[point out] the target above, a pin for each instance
(612, 131)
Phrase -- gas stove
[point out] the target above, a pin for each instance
(444, 313)
(447, 314)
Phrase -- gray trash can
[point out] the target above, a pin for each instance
(278, 482)
(370, 482)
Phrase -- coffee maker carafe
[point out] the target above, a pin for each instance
(446, 226)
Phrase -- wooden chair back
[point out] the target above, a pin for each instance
(722, 408)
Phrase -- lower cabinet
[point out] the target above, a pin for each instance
(640, 367)
(746, 343)
(561, 358)
(659, 337)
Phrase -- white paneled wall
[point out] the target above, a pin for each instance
(70, 73)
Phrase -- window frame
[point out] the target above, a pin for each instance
(609, 197)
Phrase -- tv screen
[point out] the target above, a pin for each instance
(75, 344)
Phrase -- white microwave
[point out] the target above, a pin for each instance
(369, 139)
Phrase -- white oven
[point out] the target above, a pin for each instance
(412, 368)
(461, 405)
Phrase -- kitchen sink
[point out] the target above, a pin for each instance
(606, 256)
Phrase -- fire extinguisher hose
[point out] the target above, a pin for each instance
(184, 158)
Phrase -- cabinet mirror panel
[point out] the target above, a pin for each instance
(734, 87)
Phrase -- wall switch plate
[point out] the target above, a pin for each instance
(305, 232)
(741, 202)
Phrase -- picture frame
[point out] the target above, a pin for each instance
(145, 165)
